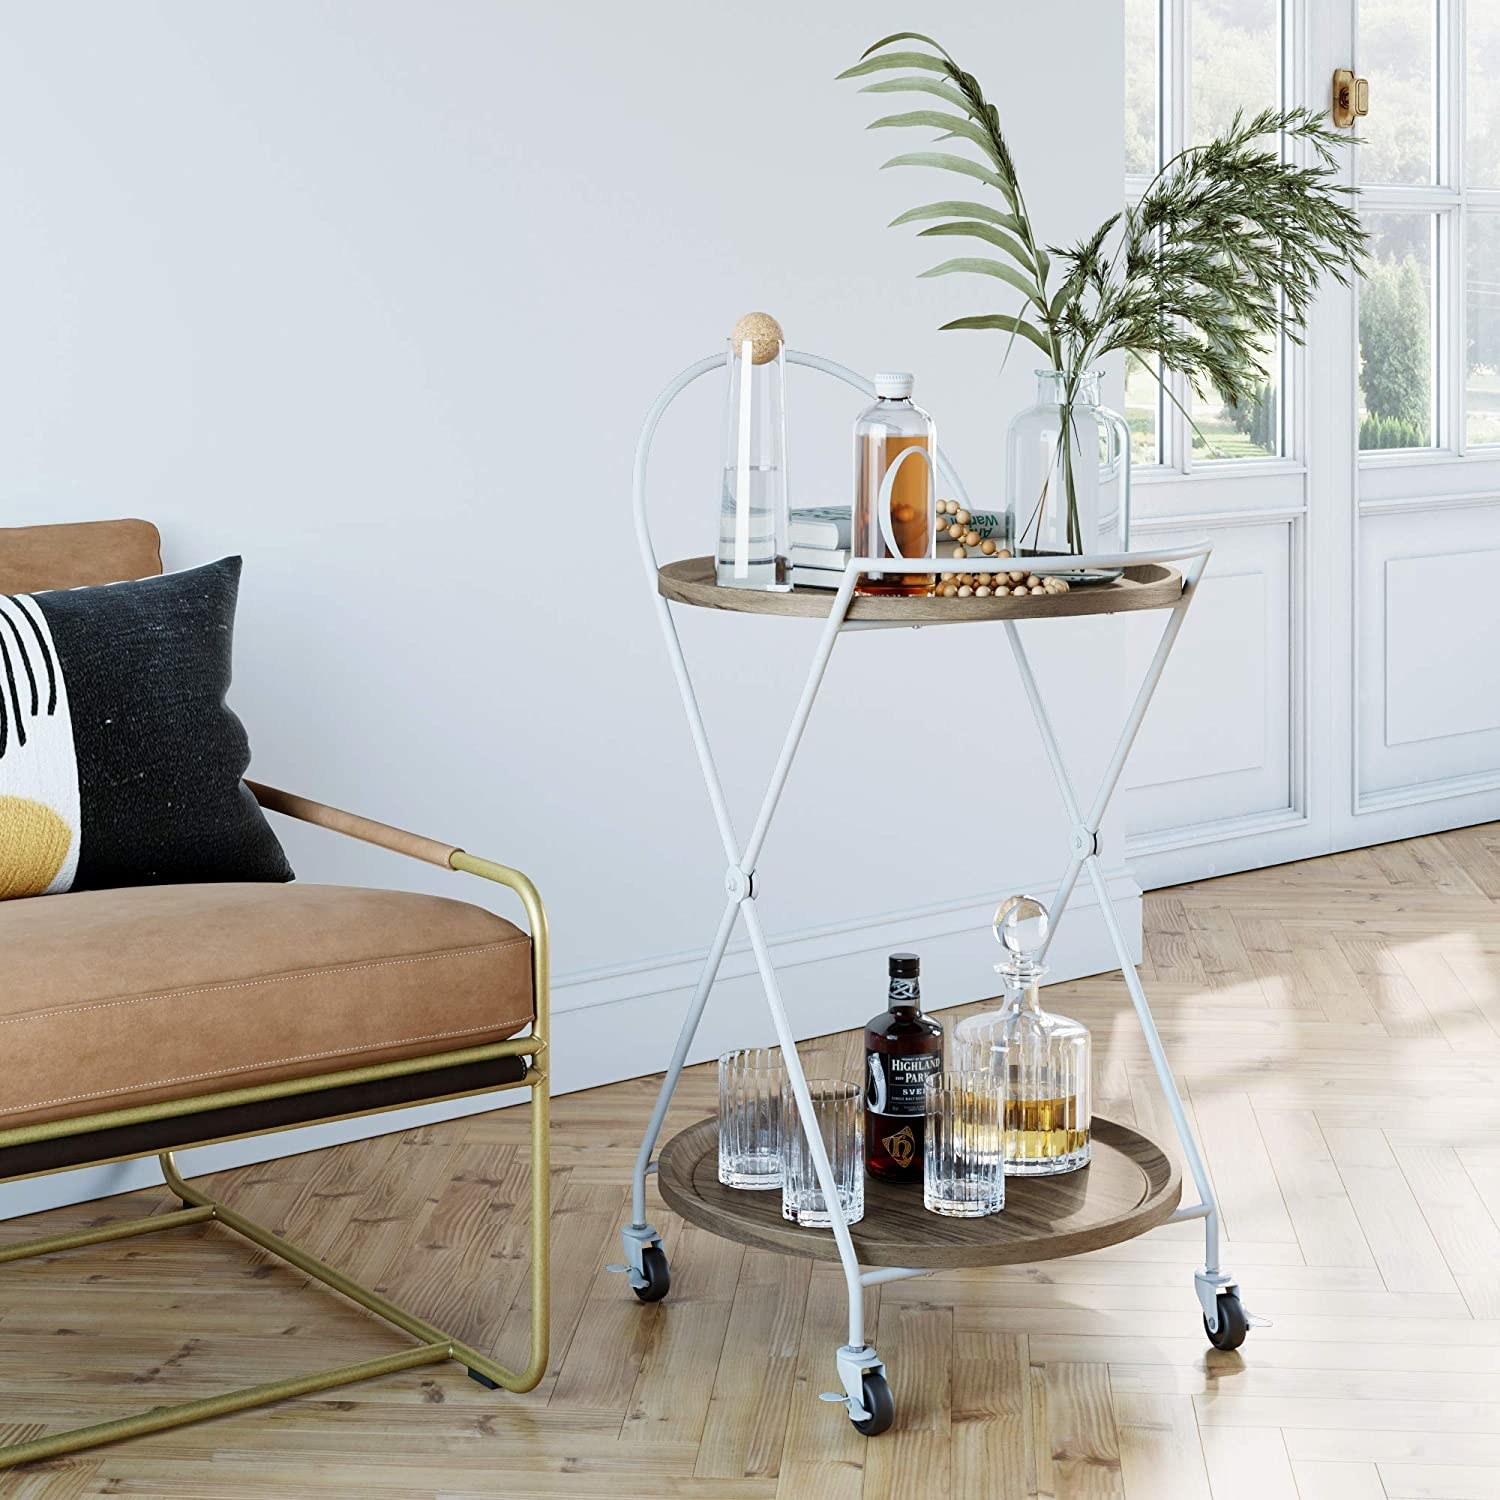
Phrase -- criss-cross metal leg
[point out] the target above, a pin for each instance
(1085, 857)
(640, 1236)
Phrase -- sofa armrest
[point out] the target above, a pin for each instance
(351, 824)
(430, 850)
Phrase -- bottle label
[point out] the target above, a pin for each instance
(896, 1084)
(901, 1146)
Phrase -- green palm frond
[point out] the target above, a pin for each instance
(1224, 251)
(974, 230)
(958, 208)
(1004, 324)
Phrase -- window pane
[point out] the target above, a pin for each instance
(1235, 63)
(1484, 102)
(1397, 52)
(1482, 388)
(1250, 430)
(1142, 411)
(1396, 340)
(1140, 87)
(1235, 54)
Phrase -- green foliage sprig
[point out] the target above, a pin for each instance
(1224, 250)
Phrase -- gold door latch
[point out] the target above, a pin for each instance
(1351, 97)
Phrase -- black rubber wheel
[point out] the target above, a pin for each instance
(1233, 1325)
(658, 1275)
(879, 1402)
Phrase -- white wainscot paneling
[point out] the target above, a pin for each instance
(1428, 707)
(1450, 685)
(1216, 747)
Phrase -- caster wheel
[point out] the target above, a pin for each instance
(658, 1275)
(484, 1380)
(1233, 1325)
(878, 1402)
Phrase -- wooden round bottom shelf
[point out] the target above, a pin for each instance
(1129, 1186)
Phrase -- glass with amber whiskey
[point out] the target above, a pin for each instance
(1039, 1061)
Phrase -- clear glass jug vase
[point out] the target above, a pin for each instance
(1067, 485)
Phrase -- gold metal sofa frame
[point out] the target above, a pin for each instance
(433, 1345)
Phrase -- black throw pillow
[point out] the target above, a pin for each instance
(120, 762)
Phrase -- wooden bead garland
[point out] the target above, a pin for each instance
(958, 585)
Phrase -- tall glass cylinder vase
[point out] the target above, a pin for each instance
(1067, 488)
(754, 548)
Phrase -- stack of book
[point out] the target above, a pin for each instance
(819, 537)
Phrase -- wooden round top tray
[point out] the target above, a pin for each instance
(1149, 586)
(1129, 1186)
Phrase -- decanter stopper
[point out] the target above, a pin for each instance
(1021, 927)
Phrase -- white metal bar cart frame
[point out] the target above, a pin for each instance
(646, 1262)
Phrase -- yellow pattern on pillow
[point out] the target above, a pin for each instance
(34, 842)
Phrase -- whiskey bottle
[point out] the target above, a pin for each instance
(895, 494)
(902, 1049)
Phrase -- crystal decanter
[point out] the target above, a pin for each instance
(1040, 1060)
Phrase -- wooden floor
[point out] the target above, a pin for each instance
(1336, 1025)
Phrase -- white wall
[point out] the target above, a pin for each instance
(377, 294)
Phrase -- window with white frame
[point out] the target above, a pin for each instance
(1429, 175)
(1190, 64)
(1409, 203)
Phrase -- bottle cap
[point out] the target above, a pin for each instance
(891, 385)
(905, 966)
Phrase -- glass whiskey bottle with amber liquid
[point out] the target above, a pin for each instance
(895, 488)
(903, 1048)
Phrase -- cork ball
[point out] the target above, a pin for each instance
(764, 334)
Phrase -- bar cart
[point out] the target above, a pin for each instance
(1131, 1185)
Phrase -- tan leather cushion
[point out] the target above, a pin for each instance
(115, 998)
(33, 558)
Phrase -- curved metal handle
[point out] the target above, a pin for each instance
(681, 382)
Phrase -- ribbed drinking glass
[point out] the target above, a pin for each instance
(963, 1169)
(751, 1083)
(839, 1119)
(981, 1049)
